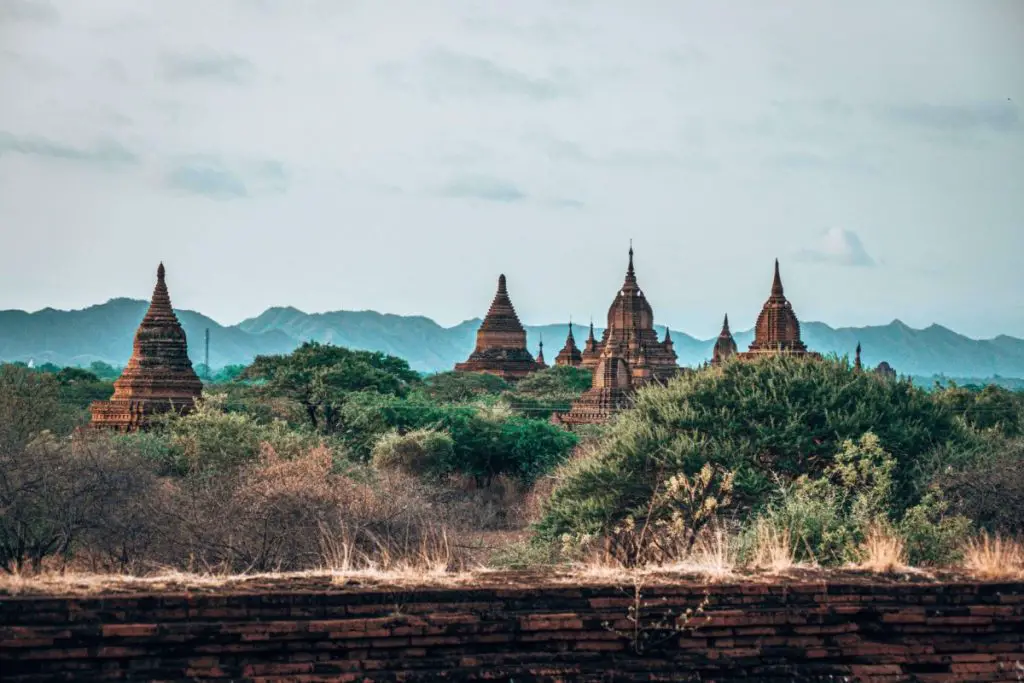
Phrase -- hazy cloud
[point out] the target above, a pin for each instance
(997, 116)
(223, 68)
(811, 161)
(211, 177)
(40, 11)
(483, 187)
(106, 153)
(444, 73)
(838, 247)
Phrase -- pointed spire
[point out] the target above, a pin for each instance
(540, 350)
(856, 362)
(777, 282)
(591, 337)
(160, 304)
(725, 325)
(630, 273)
(501, 284)
(160, 272)
(668, 335)
(570, 337)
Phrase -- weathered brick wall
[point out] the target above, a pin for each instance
(795, 632)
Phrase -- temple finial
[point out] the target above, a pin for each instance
(777, 282)
(629, 271)
(725, 323)
(668, 335)
(856, 362)
(501, 284)
(160, 271)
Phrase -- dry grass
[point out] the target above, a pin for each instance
(882, 551)
(773, 549)
(995, 557)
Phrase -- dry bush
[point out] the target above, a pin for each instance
(994, 557)
(773, 547)
(882, 551)
(500, 505)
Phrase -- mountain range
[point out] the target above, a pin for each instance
(104, 332)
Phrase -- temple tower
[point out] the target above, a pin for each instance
(159, 376)
(777, 331)
(569, 355)
(725, 345)
(540, 353)
(591, 355)
(501, 342)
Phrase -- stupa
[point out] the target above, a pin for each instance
(777, 331)
(540, 353)
(630, 355)
(725, 345)
(501, 342)
(591, 355)
(570, 354)
(158, 378)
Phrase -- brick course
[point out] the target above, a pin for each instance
(785, 632)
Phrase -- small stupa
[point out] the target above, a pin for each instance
(725, 345)
(570, 354)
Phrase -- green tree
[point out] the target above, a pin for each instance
(462, 387)
(321, 378)
(552, 390)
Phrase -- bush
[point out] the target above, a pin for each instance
(772, 418)
(989, 488)
(462, 387)
(539, 394)
(419, 452)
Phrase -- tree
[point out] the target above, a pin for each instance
(321, 377)
(460, 387)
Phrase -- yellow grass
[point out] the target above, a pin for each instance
(994, 558)
(773, 549)
(882, 551)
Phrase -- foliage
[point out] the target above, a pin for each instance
(776, 418)
(989, 407)
(462, 387)
(321, 378)
(29, 404)
(989, 487)
(419, 452)
(552, 390)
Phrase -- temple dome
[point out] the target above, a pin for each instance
(630, 309)
(777, 328)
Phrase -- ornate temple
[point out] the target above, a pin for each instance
(591, 355)
(628, 356)
(159, 376)
(777, 331)
(570, 354)
(501, 342)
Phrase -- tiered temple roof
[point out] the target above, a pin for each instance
(777, 331)
(501, 342)
(630, 354)
(725, 345)
(570, 354)
(591, 355)
(540, 353)
(159, 376)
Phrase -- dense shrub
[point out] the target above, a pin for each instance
(989, 407)
(773, 418)
(989, 488)
(462, 387)
(552, 390)
(419, 452)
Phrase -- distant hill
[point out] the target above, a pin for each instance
(104, 332)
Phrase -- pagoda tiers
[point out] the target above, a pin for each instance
(777, 332)
(570, 354)
(540, 353)
(158, 378)
(630, 355)
(725, 345)
(501, 342)
(591, 355)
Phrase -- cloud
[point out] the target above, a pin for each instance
(811, 161)
(565, 150)
(29, 11)
(483, 187)
(443, 73)
(106, 153)
(222, 68)
(997, 116)
(839, 247)
(211, 177)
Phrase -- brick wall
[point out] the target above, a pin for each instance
(803, 632)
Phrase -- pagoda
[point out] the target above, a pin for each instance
(501, 342)
(630, 355)
(570, 354)
(540, 354)
(777, 332)
(725, 345)
(158, 378)
(591, 355)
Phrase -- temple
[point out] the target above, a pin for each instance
(777, 332)
(570, 354)
(540, 353)
(591, 355)
(629, 355)
(501, 342)
(158, 378)
(725, 345)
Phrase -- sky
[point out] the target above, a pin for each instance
(399, 155)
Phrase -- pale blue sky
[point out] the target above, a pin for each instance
(397, 155)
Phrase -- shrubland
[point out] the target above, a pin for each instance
(335, 458)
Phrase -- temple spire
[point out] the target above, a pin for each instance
(725, 324)
(540, 350)
(570, 337)
(630, 273)
(777, 282)
(668, 335)
(856, 362)
(501, 284)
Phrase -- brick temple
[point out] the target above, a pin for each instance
(777, 331)
(159, 377)
(570, 354)
(629, 355)
(725, 345)
(501, 342)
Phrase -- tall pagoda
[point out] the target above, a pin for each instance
(777, 332)
(501, 342)
(630, 355)
(158, 378)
